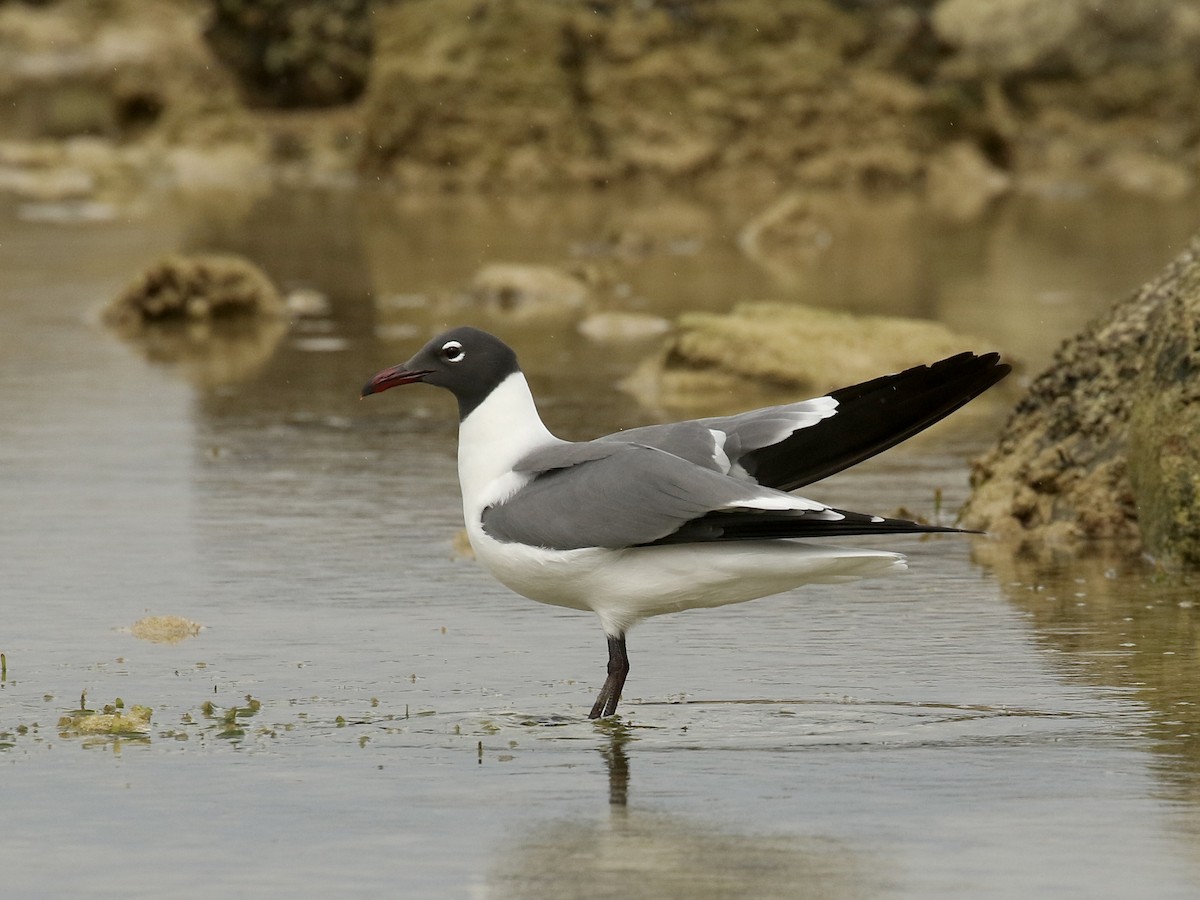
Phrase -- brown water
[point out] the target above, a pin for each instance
(978, 727)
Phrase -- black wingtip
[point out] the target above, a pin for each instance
(760, 525)
(874, 416)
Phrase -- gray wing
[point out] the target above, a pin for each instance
(617, 495)
(697, 441)
(563, 456)
(787, 447)
(721, 443)
(611, 494)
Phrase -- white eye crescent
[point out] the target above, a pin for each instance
(452, 351)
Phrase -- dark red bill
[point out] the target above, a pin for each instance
(390, 378)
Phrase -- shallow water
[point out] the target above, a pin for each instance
(976, 727)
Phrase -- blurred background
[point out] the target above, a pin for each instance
(592, 170)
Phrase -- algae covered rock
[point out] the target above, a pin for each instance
(215, 318)
(1104, 447)
(541, 92)
(1105, 87)
(1007, 37)
(765, 351)
(1164, 426)
(114, 720)
(196, 288)
(118, 69)
(294, 53)
(164, 629)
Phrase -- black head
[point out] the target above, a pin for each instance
(465, 361)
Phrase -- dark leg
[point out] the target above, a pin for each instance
(618, 668)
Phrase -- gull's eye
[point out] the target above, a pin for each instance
(452, 351)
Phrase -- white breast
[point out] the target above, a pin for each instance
(501, 430)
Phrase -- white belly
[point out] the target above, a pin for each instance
(625, 586)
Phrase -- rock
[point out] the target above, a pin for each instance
(48, 185)
(120, 69)
(768, 352)
(1057, 38)
(328, 344)
(523, 292)
(960, 183)
(308, 303)
(1005, 37)
(221, 169)
(623, 326)
(294, 53)
(1104, 447)
(1144, 173)
(537, 92)
(196, 288)
(74, 172)
(466, 98)
(742, 96)
(64, 211)
(1164, 425)
(217, 319)
(41, 154)
(1095, 88)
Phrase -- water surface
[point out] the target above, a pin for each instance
(977, 727)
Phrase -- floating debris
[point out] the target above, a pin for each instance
(460, 545)
(231, 723)
(164, 629)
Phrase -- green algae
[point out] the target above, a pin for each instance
(114, 719)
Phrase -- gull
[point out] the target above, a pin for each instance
(664, 518)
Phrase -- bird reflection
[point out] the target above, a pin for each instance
(635, 853)
(613, 751)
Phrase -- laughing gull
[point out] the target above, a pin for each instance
(664, 518)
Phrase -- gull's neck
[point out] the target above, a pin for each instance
(493, 436)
